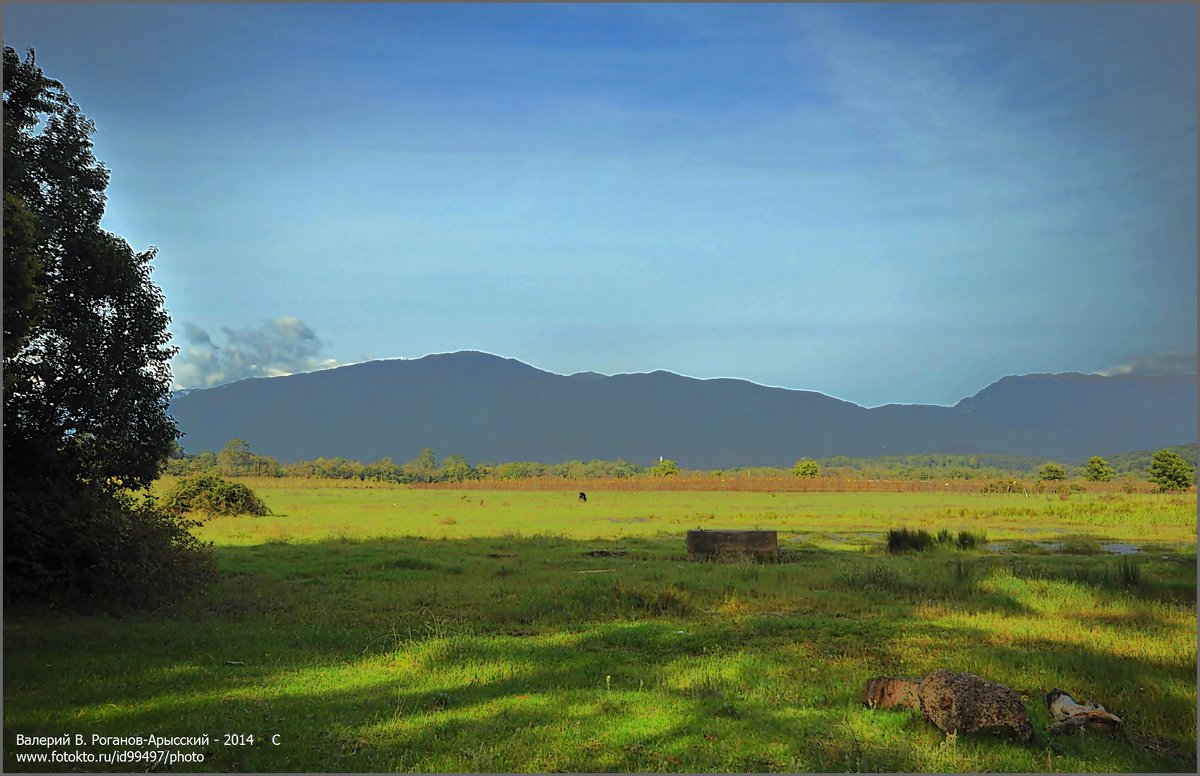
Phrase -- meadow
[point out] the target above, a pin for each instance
(377, 627)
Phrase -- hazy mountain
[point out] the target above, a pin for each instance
(495, 409)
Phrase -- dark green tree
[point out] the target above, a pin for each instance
(1052, 471)
(86, 359)
(665, 468)
(806, 467)
(1097, 470)
(1170, 471)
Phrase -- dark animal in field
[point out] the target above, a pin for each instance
(582, 496)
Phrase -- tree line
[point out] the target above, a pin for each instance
(236, 459)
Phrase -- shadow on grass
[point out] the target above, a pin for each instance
(529, 654)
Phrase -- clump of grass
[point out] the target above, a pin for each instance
(411, 564)
(962, 572)
(945, 536)
(1080, 545)
(969, 541)
(1129, 574)
(877, 578)
(903, 539)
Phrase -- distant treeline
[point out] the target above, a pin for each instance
(236, 459)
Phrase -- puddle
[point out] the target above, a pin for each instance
(1001, 547)
(1120, 548)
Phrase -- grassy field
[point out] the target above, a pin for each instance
(391, 629)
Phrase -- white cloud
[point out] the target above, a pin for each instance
(282, 346)
(1170, 362)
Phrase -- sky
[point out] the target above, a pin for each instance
(885, 203)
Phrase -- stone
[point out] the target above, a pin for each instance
(1068, 714)
(890, 692)
(733, 545)
(966, 703)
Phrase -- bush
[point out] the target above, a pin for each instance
(665, 468)
(1098, 470)
(1004, 486)
(1170, 471)
(99, 549)
(969, 541)
(901, 539)
(1052, 471)
(207, 492)
(806, 467)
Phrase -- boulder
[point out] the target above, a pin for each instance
(966, 703)
(889, 692)
(762, 546)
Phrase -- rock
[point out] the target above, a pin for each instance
(889, 692)
(1071, 715)
(966, 703)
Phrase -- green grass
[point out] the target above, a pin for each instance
(388, 629)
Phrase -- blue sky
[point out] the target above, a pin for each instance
(885, 203)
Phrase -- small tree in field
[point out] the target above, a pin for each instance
(1052, 471)
(806, 467)
(1097, 470)
(665, 468)
(1170, 471)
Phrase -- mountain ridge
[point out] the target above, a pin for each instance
(492, 408)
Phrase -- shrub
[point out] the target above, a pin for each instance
(1003, 486)
(100, 549)
(806, 467)
(1052, 471)
(902, 539)
(207, 492)
(665, 468)
(1129, 573)
(969, 541)
(1170, 471)
(1098, 470)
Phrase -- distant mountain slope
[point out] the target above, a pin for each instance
(495, 409)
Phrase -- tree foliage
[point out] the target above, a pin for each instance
(665, 468)
(1170, 471)
(208, 493)
(86, 356)
(1097, 470)
(806, 467)
(1052, 471)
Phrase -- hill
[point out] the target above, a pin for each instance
(495, 409)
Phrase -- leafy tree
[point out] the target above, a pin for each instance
(1170, 471)
(1052, 471)
(86, 367)
(1097, 470)
(455, 468)
(425, 462)
(235, 458)
(806, 467)
(665, 468)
